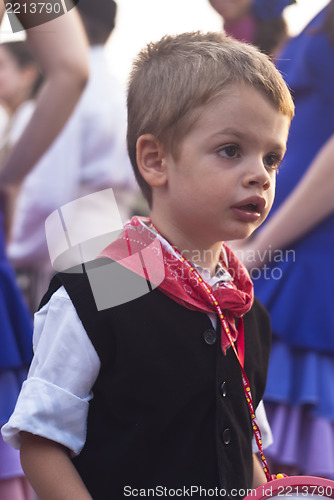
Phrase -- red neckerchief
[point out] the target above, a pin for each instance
(174, 278)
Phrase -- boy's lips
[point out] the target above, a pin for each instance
(250, 209)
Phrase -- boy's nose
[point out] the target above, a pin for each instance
(257, 174)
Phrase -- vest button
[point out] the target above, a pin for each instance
(226, 436)
(210, 336)
(223, 390)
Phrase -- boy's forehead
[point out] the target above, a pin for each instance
(237, 96)
(238, 110)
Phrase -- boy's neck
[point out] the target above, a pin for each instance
(206, 259)
(199, 254)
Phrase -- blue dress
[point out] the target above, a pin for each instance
(300, 292)
(15, 354)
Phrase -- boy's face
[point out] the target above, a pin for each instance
(221, 184)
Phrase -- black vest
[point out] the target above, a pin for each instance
(169, 409)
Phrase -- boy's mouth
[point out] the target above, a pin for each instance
(253, 204)
(250, 209)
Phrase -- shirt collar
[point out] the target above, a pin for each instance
(221, 276)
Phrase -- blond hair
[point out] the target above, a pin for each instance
(172, 78)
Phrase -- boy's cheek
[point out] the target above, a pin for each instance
(267, 210)
(271, 196)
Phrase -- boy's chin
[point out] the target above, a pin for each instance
(242, 235)
(251, 230)
(242, 230)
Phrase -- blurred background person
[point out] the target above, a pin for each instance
(103, 114)
(296, 284)
(61, 49)
(89, 155)
(259, 22)
(20, 80)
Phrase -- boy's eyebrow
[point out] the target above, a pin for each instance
(230, 131)
(243, 135)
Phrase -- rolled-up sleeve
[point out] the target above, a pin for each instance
(54, 400)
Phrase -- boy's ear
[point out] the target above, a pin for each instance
(150, 160)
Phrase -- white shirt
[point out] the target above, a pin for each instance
(54, 399)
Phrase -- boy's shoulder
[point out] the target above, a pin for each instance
(74, 283)
(87, 283)
(259, 310)
(258, 315)
(72, 279)
(96, 289)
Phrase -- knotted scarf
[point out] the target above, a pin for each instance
(141, 249)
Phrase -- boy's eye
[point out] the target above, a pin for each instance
(230, 151)
(272, 161)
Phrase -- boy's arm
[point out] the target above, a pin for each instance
(259, 476)
(49, 469)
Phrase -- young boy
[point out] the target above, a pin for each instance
(208, 120)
